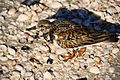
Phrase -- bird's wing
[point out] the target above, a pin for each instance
(78, 37)
(63, 25)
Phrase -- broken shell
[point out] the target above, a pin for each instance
(3, 58)
(23, 17)
(94, 70)
(81, 51)
(11, 51)
(12, 11)
(110, 57)
(61, 51)
(97, 60)
(3, 47)
(69, 56)
(19, 67)
(25, 48)
(111, 69)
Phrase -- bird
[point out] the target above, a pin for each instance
(49, 28)
(69, 34)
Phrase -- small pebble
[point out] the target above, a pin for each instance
(35, 18)
(74, 77)
(45, 59)
(61, 51)
(22, 9)
(29, 14)
(11, 51)
(3, 47)
(118, 8)
(16, 72)
(97, 60)
(5, 68)
(111, 69)
(74, 6)
(48, 1)
(55, 5)
(106, 51)
(4, 13)
(28, 74)
(53, 56)
(5, 79)
(33, 24)
(111, 10)
(47, 76)
(3, 58)
(10, 57)
(2, 18)
(43, 15)
(56, 74)
(107, 77)
(38, 75)
(44, 48)
(90, 61)
(23, 72)
(94, 70)
(12, 11)
(19, 67)
(15, 76)
(23, 17)
(115, 50)
(13, 48)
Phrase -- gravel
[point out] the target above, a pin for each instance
(25, 55)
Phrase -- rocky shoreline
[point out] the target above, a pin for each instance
(26, 56)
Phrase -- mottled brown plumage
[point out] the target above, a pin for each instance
(77, 37)
(63, 25)
(69, 34)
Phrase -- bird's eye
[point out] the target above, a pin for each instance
(41, 25)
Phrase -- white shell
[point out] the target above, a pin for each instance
(94, 70)
(47, 76)
(3, 48)
(2, 58)
(115, 50)
(111, 69)
(11, 51)
(28, 74)
(55, 5)
(18, 67)
(61, 51)
(23, 17)
(12, 11)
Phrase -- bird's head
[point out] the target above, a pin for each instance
(44, 25)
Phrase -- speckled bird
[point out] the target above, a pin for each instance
(69, 34)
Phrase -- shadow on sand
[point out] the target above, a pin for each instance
(86, 18)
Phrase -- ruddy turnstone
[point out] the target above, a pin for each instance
(69, 34)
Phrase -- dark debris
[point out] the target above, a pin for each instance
(49, 61)
(30, 2)
(25, 48)
(82, 78)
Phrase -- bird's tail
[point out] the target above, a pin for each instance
(113, 37)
